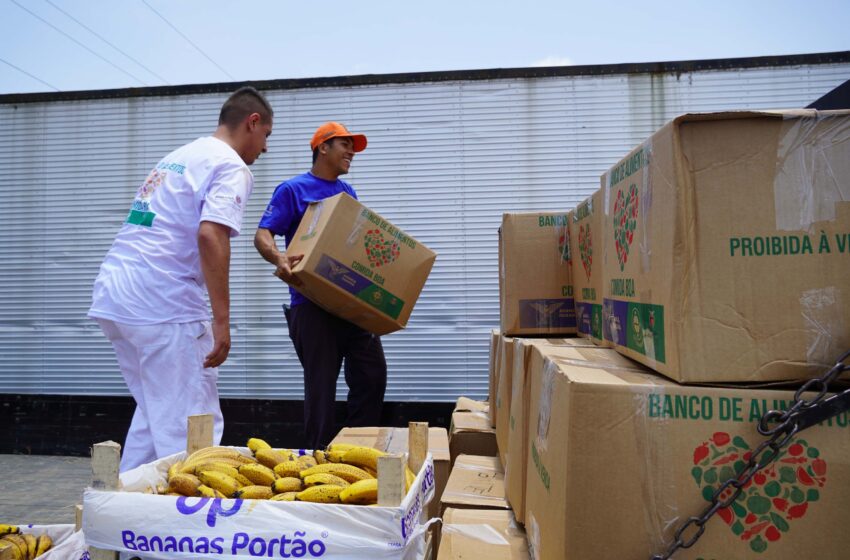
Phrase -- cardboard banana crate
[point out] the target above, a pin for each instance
(135, 522)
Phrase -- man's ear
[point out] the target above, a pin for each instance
(253, 120)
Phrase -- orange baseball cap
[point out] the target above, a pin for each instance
(336, 130)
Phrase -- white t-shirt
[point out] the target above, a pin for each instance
(152, 274)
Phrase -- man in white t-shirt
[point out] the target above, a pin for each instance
(149, 295)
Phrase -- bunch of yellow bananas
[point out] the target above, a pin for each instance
(23, 546)
(341, 473)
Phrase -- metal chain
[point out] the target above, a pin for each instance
(789, 423)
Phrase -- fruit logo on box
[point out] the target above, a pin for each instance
(564, 247)
(585, 248)
(772, 499)
(625, 222)
(379, 251)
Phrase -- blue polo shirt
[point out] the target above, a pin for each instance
(290, 201)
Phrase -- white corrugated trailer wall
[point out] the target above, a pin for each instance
(445, 160)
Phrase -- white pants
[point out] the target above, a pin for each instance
(163, 368)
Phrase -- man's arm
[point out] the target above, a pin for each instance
(214, 248)
(266, 246)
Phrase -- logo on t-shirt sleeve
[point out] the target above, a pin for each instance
(140, 211)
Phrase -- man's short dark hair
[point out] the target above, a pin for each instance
(316, 151)
(243, 102)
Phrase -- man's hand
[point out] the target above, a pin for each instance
(221, 344)
(284, 269)
(266, 246)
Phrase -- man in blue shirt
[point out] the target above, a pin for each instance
(322, 340)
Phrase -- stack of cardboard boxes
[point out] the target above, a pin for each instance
(712, 264)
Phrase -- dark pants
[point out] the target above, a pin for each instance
(322, 342)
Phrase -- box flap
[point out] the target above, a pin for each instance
(490, 534)
(476, 481)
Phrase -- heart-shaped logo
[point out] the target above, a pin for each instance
(564, 247)
(379, 251)
(772, 499)
(585, 248)
(625, 222)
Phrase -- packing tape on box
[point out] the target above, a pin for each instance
(806, 187)
(357, 229)
(477, 532)
(661, 511)
(822, 322)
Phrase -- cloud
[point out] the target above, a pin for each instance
(552, 60)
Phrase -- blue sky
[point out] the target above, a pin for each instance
(49, 45)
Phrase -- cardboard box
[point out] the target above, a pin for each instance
(535, 275)
(639, 453)
(587, 234)
(726, 250)
(471, 434)
(475, 483)
(495, 340)
(394, 440)
(503, 394)
(465, 404)
(481, 533)
(529, 355)
(359, 266)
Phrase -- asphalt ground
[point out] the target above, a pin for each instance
(41, 489)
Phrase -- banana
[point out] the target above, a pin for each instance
(349, 473)
(19, 545)
(320, 457)
(340, 446)
(174, 469)
(324, 478)
(361, 492)
(32, 544)
(227, 485)
(227, 468)
(272, 457)
(336, 455)
(306, 461)
(44, 544)
(363, 457)
(6, 529)
(287, 484)
(255, 492)
(288, 468)
(284, 497)
(208, 492)
(256, 443)
(184, 484)
(258, 474)
(12, 553)
(214, 451)
(204, 463)
(241, 479)
(323, 494)
(409, 477)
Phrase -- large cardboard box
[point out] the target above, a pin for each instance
(471, 434)
(504, 376)
(726, 250)
(475, 482)
(359, 266)
(529, 355)
(535, 275)
(495, 339)
(394, 440)
(587, 234)
(481, 533)
(638, 454)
